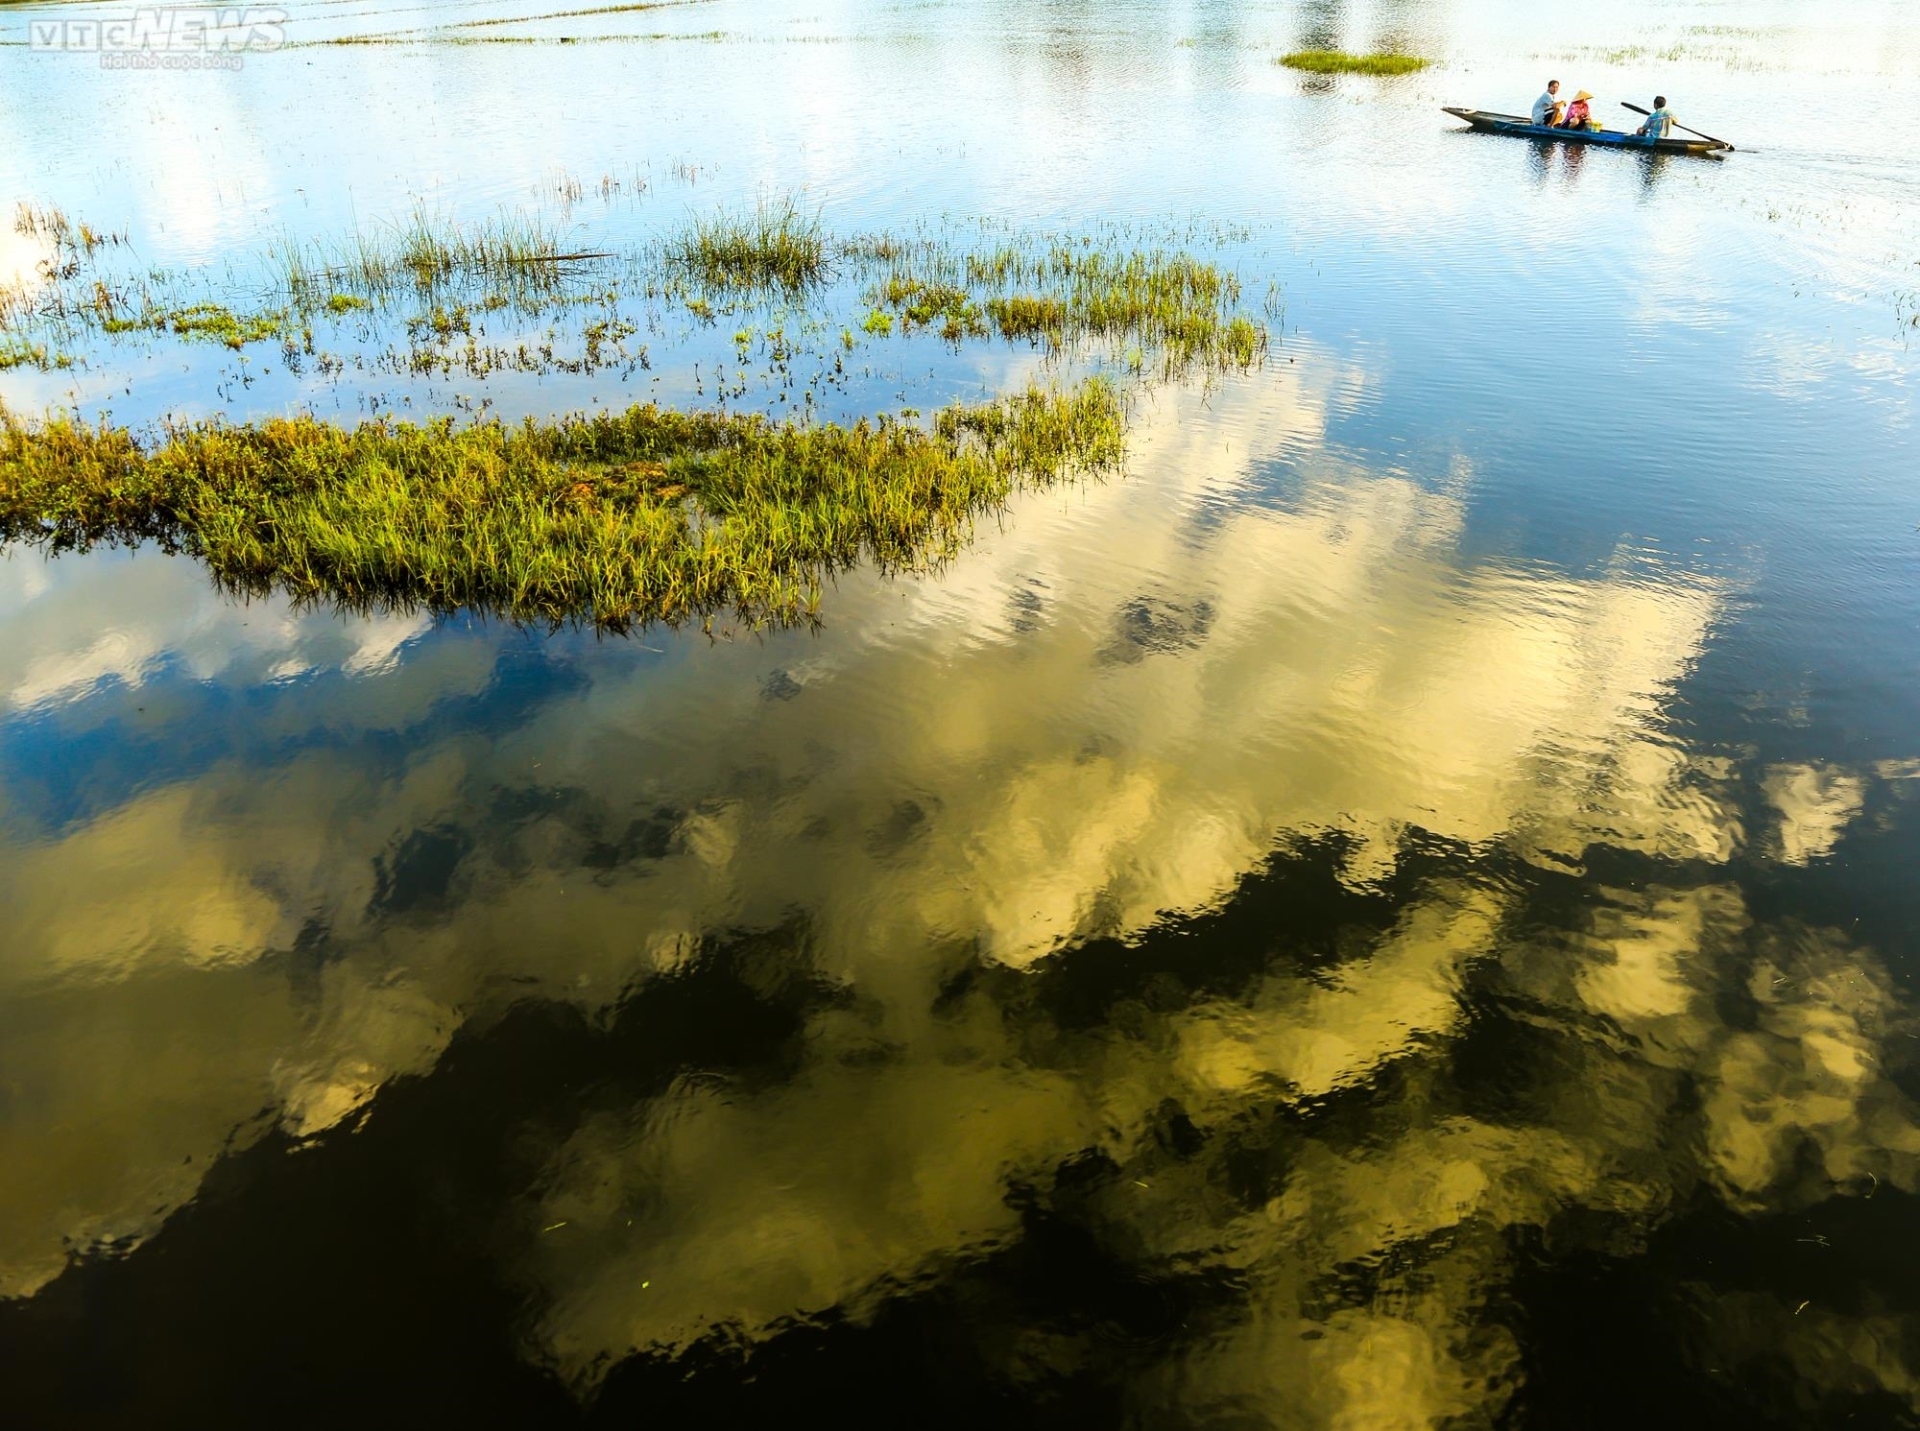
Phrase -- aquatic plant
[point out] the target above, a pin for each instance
(922, 303)
(18, 353)
(1331, 62)
(776, 245)
(615, 519)
(51, 223)
(202, 322)
(425, 283)
(1058, 291)
(514, 251)
(70, 247)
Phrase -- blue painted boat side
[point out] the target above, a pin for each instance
(1580, 136)
(1519, 127)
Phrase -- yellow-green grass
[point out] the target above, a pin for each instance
(513, 253)
(18, 353)
(1063, 291)
(202, 322)
(776, 245)
(617, 519)
(1339, 62)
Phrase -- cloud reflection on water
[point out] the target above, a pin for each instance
(1107, 716)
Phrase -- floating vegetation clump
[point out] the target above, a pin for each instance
(617, 519)
(621, 518)
(1062, 291)
(1339, 62)
(18, 353)
(777, 246)
(420, 295)
(203, 322)
(924, 303)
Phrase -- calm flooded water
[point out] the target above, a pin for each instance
(1397, 912)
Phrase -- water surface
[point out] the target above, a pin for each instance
(1392, 913)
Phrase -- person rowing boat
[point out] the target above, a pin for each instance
(1659, 122)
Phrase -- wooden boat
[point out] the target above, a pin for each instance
(1523, 126)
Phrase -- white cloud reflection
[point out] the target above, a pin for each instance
(67, 627)
(1114, 708)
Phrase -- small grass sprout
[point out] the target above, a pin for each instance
(1339, 62)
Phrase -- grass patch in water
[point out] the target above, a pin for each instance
(422, 286)
(1057, 292)
(18, 353)
(776, 246)
(52, 224)
(203, 322)
(617, 519)
(924, 303)
(1339, 62)
(514, 252)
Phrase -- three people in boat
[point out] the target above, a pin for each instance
(1552, 112)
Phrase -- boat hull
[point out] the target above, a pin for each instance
(1520, 126)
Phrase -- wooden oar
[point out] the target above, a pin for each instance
(1678, 125)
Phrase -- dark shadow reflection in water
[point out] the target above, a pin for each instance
(1489, 1215)
(1321, 25)
(1153, 975)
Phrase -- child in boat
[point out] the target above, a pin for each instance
(1579, 114)
(1659, 123)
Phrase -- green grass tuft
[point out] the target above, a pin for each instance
(513, 252)
(776, 246)
(1061, 291)
(617, 519)
(1339, 62)
(203, 322)
(18, 353)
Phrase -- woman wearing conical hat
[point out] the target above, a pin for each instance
(1579, 113)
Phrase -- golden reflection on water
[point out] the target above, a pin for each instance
(1112, 711)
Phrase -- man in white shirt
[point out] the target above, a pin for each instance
(1546, 109)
